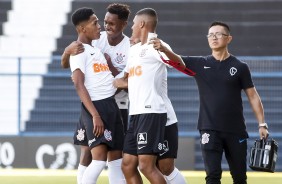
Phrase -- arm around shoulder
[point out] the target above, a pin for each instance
(161, 47)
(174, 57)
(65, 60)
(74, 48)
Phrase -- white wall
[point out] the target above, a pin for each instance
(30, 33)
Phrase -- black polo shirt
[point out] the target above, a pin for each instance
(220, 85)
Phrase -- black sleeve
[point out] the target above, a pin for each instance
(192, 62)
(245, 77)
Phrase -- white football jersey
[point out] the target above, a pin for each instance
(171, 116)
(147, 75)
(98, 77)
(119, 56)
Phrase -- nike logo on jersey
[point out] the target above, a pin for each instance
(242, 140)
(141, 147)
(92, 54)
(206, 67)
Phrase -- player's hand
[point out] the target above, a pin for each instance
(120, 83)
(263, 133)
(74, 48)
(157, 44)
(98, 126)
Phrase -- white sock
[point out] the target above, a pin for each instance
(93, 171)
(175, 177)
(115, 173)
(80, 171)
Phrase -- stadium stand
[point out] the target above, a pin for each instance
(30, 34)
(5, 6)
(183, 24)
(256, 28)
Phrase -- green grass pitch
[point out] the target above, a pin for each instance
(36, 176)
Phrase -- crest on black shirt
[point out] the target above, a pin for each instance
(233, 71)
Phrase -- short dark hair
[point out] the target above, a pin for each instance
(219, 23)
(122, 10)
(147, 11)
(151, 13)
(81, 14)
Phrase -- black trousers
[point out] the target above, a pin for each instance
(213, 144)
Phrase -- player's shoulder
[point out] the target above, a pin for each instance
(238, 61)
(125, 41)
(134, 49)
(135, 46)
(88, 48)
(92, 50)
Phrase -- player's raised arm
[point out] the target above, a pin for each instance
(74, 48)
(158, 45)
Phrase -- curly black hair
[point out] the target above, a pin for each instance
(122, 10)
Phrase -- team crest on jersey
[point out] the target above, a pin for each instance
(205, 138)
(143, 52)
(120, 58)
(142, 138)
(232, 71)
(164, 147)
(80, 135)
(108, 135)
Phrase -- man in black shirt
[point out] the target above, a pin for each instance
(220, 78)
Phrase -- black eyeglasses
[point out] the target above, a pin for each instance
(216, 35)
